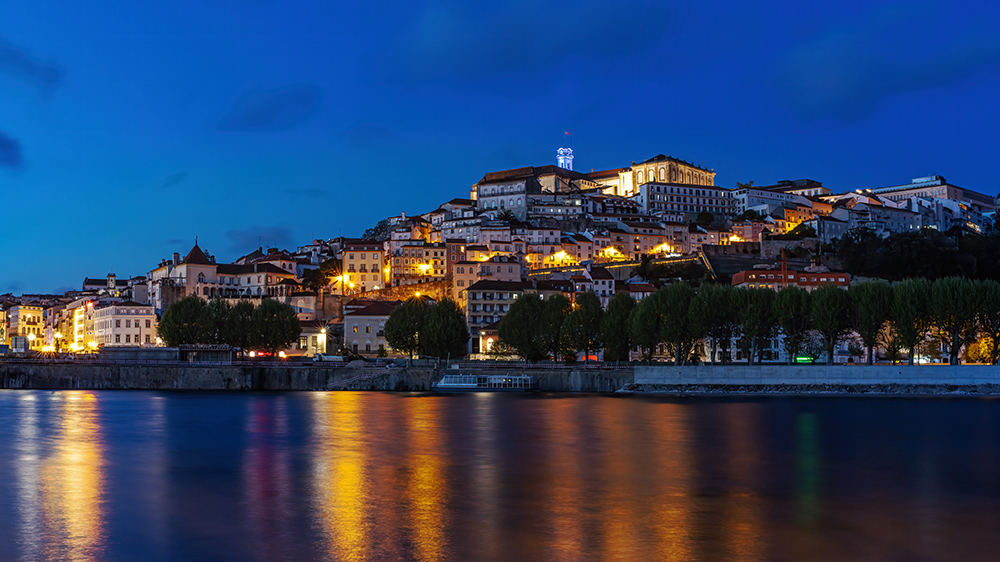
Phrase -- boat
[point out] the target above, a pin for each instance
(486, 383)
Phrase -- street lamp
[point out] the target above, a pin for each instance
(58, 336)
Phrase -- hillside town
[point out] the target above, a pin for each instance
(545, 230)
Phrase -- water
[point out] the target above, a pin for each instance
(367, 476)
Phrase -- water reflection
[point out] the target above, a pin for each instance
(267, 477)
(59, 478)
(340, 482)
(742, 513)
(373, 476)
(426, 482)
(670, 441)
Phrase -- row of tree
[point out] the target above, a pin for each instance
(272, 326)
(437, 330)
(895, 317)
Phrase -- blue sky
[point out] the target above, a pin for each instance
(128, 128)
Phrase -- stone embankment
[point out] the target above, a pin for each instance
(195, 376)
(886, 389)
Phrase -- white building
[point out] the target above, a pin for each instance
(124, 324)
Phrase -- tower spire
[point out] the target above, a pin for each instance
(564, 155)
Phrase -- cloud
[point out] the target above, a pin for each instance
(62, 289)
(173, 179)
(10, 152)
(272, 110)
(18, 63)
(175, 242)
(850, 68)
(453, 41)
(244, 240)
(15, 286)
(307, 193)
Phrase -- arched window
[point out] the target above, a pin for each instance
(518, 201)
(201, 277)
(663, 174)
(639, 177)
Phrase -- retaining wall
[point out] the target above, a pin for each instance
(818, 374)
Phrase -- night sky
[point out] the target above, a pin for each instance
(128, 128)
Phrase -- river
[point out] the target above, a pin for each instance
(383, 476)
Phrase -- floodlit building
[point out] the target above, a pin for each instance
(124, 324)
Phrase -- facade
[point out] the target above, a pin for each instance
(777, 279)
(688, 200)
(487, 302)
(27, 321)
(936, 187)
(125, 323)
(363, 264)
(364, 329)
(667, 169)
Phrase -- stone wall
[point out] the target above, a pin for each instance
(436, 290)
(278, 377)
(817, 374)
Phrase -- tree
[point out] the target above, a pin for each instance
(582, 328)
(214, 318)
(506, 216)
(792, 311)
(402, 328)
(553, 315)
(240, 330)
(521, 330)
(182, 322)
(871, 305)
(954, 307)
(989, 320)
(757, 320)
(714, 308)
(644, 326)
(445, 334)
(677, 327)
(278, 325)
(831, 313)
(615, 328)
(910, 312)
(379, 233)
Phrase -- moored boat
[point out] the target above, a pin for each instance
(486, 383)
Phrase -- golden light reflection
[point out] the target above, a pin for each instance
(675, 514)
(568, 516)
(741, 516)
(427, 485)
(26, 477)
(72, 481)
(340, 481)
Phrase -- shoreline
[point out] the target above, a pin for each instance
(830, 389)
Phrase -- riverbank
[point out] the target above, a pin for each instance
(879, 389)
(195, 376)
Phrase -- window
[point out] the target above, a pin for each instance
(147, 324)
(368, 329)
(355, 328)
(147, 338)
(118, 323)
(118, 338)
(128, 338)
(128, 324)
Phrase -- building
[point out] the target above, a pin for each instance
(488, 302)
(777, 279)
(936, 187)
(509, 190)
(363, 263)
(125, 323)
(665, 169)
(687, 200)
(364, 329)
(27, 321)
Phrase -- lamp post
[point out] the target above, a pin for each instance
(58, 336)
